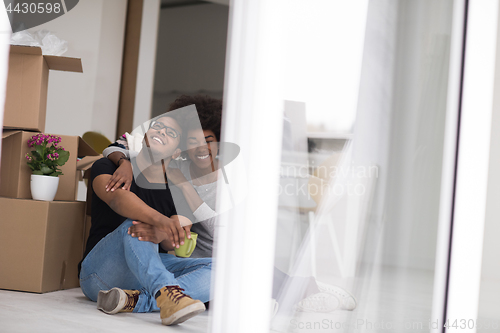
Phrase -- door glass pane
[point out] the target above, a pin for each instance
(488, 318)
(364, 117)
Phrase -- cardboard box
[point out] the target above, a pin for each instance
(15, 175)
(41, 244)
(84, 166)
(26, 96)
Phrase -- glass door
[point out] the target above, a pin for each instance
(348, 118)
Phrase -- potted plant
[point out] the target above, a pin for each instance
(44, 162)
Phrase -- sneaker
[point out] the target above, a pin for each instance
(320, 302)
(347, 300)
(175, 306)
(117, 300)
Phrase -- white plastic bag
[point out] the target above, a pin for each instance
(23, 38)
(50, 43)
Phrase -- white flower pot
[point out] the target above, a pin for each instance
(44, 187)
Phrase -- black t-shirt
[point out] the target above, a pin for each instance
(157, 196)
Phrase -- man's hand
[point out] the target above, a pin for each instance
(146, 232)
(123, 174)
(172, 227)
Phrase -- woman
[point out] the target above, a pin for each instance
(197, 178)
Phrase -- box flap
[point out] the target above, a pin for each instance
(34, 50)
(54, 62)
(64, 63)
(84, 149)
(86, 162)
(7, 133)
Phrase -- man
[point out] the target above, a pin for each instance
(124, 273)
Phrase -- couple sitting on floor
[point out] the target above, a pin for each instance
(133, 210)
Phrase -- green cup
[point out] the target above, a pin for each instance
(187, 249)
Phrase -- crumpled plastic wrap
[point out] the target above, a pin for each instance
(50, 43)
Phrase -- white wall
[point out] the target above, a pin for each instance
(78, 102)
(146, 64)
(4, 61)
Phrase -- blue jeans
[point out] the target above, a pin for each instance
(120, 260)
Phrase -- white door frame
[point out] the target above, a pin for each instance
(253, 112)
(472, 164)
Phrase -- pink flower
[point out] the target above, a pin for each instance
(53, 156)
(43, 139)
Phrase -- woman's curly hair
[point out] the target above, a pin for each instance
(209, 111)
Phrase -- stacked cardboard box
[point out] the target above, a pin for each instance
(41, 242)
(85, 165)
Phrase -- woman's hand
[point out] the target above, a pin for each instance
(175, 176)
(187, 229)
(122, 175)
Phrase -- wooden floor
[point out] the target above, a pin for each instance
(70, 311)
(391, 301)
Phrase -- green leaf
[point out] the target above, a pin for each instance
(46, 170)
(56, 173)
(63, 157)
(35, 154)
(39, 150)
(37, 172)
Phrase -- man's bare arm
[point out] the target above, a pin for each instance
(116, 157)
(129, 205)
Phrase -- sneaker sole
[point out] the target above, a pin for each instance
(111, 301)
(324, 289)
(317, 305)
(184, 314)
